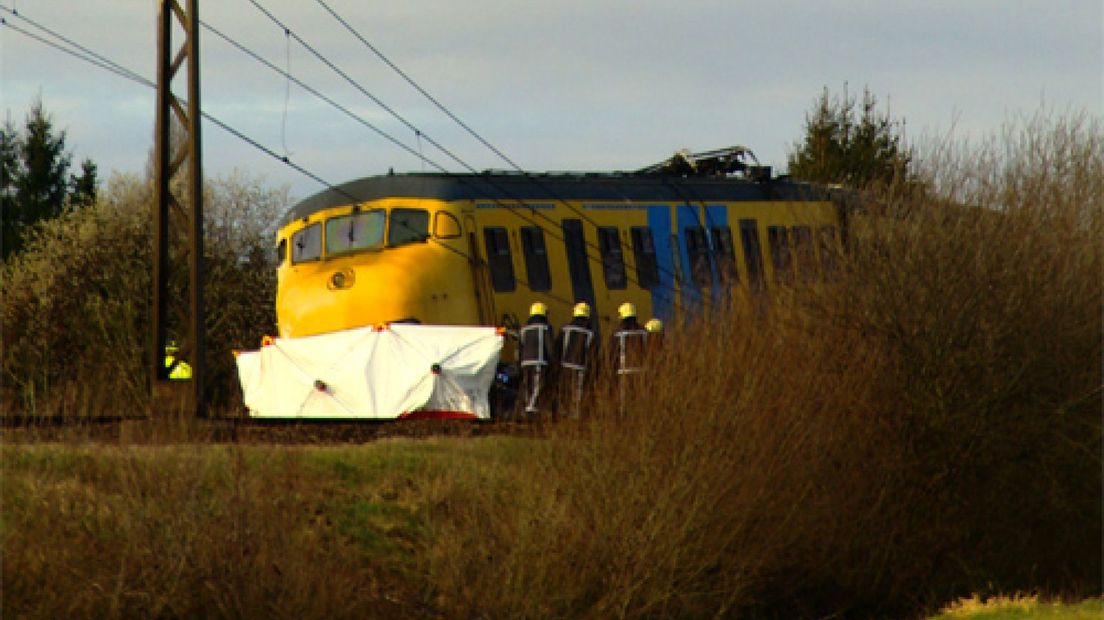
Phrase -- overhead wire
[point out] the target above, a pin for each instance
(101, 61)
(415, 85)
(596, 259)
(352, 82)
(87, 55)
(91, 56)
(310, 89)
(107, 64)
(383, 58)
(287, 95)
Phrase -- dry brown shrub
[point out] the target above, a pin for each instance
(923, 426)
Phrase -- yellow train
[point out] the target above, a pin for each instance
(478, 249)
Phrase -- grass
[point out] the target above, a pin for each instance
(1015, 607)
(93, 530)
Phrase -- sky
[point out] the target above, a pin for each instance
(592, 85)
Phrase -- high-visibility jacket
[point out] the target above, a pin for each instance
(628, 344)
(535, 342)
(179, 370)
(577, 342)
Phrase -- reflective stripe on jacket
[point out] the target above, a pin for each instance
(535, 339)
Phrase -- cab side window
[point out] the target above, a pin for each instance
(445, 225)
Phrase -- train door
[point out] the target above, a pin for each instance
(480, 273)
(578, 265)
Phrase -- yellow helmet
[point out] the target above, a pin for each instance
(538, 309)
(626, 310)
(654, 326)
(171, 348)
(582, 309)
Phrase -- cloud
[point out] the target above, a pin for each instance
(564, 85)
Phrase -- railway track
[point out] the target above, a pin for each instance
(14, 429)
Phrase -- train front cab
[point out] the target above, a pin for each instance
(375, 262)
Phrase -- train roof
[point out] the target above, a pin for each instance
(553, 186)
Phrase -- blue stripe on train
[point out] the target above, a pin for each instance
(659, 221)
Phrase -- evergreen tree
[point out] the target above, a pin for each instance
(43, 184)
(855, 149)
(35, 183)
(82, 189)
(9, 172)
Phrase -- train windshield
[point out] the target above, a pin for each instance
(306, 245)
(356, 231)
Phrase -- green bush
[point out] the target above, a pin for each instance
(76, 312)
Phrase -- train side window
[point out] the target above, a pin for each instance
(536, 258)
(408, 226)
(445, 225)
(613, 261)
(725, 252)
(753, 254)
(498, 258)
(806, 255)
(306, 244)
(697, 249)
(578, 261)
(676, 259)
(779, 239)
(828, 247)
(361, 230)
(647, 267)
(281, 251)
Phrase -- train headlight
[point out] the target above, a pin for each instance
(341, 279)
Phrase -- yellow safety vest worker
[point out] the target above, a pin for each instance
(178, 370)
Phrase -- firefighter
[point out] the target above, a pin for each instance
(576, 346)
(534, 352)
(177, 369)
(654, 327)
(628, 344)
